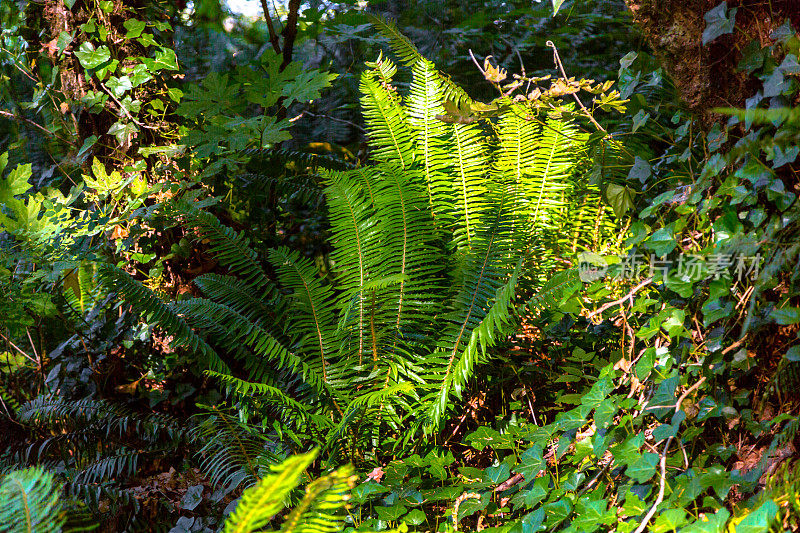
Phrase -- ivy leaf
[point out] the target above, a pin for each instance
(669, 520)
(64, 40)
(414, 518)
(619, 198)
(705, 524)
(91, 58)
(119, 86)
(639, 120)
(134, 27)
(786, 316)
(597, 394)
(192, 498)
(644, 468)
(633, 506)
(530, 523)
(591, 514)
(604, 412)
(531, 462)
(759, 520)
(719, 21)
(122, 131)
(165, 59)
(496, 474)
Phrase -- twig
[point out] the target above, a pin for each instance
(663, 462)
(476, 62)
(12, 116)
(320, 115)
(560, 66)
(510, 482)
(273, 37)
(733, 346)
(628, 296)
(31, 359)
(124, 110)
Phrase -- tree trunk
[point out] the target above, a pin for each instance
(707, 76)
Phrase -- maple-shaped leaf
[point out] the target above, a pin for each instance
(306, 86)
(215, 96)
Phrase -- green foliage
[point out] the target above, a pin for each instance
(317, 511)
(30, 502)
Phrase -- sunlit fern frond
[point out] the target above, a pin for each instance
(406, 231)
(409, 55)
(322, 506)
(389, 133)
(424, 103)
(518, 139)
(546, 180)
(590, 222)
(310, 307)
(487, 282)
(469, 162)
(259, 504)
(29, 502)
(356, 252)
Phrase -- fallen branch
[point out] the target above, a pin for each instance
(628, 296)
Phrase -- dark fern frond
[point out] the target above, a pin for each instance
(235, 329)
(232, 453)
(232, 249)
(145, 302)
(308, 159)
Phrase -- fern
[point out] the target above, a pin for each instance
(145, 302)
(29, 502)
(259, 504)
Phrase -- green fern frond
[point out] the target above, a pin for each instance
(469, 160)
(548, 296)
(409, 55)
(424, 103)
(310, 306)
(259, 504)
(249, 388)
(240, 297)
(324, 498)
(489, 277)
(232, 249)
(234, 329)
(29, 502)
(57, 412)
(294, 157)
(231, 453)
(547, 178)
(407, 231)
(387, 123)
(356, 250)
(145, 302)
